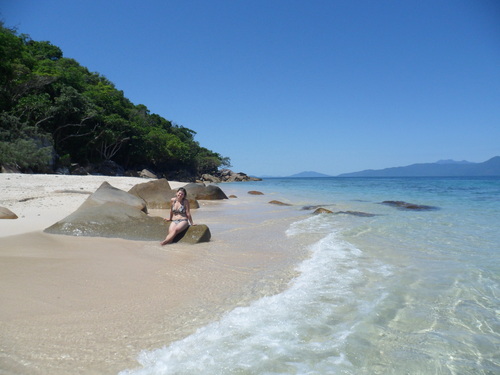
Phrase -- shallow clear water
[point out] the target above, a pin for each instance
(400, 292)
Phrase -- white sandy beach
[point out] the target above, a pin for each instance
(84, 305)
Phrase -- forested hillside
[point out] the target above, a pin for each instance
(56, 114)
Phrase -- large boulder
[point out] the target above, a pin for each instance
(9, 169)
(157, 194)
(78, 170)
(110, 168)
(111, 212)
(209, 178)
(5, 213)
(107, 193)
(145, 173)
(116, 220)
(204, 192)
(194, 234)
(110, 219)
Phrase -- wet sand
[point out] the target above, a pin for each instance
(84, 305)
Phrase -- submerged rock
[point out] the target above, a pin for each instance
(356, 213)
(254, 192)
(322, 210)
(280, 203)
(307, 208)
(409, 206)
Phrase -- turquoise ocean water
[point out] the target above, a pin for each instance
(399, 292)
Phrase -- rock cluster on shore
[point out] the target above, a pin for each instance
(227, 175)
(111, 212)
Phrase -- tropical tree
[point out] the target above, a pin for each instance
(52, 108)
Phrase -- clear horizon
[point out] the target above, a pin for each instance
(282, 87)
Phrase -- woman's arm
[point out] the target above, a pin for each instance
(172, 202)
(188, 213)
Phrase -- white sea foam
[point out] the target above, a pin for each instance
(302, 330)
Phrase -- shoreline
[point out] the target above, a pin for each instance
(89, 305)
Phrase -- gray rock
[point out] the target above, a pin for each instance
(210, 178)
(118, 220)
(307, 208)
(156, 193)
(110, 168)
(110, 219)
(356, 213)
(107, 193)
(5, 213)
(147, 174)
(227, 175)
(194, 234)
(204, 192)
(79, 170)
(255, 192)
(279, 203)
(9, 169)
(322, 210)
(409, 206)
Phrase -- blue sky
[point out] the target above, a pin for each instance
(285, 86)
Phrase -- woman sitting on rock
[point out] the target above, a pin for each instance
(180, 216)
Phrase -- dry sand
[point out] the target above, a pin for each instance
(80, 305)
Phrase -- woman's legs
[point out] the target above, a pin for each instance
(173, 230)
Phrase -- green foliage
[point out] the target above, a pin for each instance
(22, 146)
(44, 50)
(50, 105)
(25, 154)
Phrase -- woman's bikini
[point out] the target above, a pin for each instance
(180, 210)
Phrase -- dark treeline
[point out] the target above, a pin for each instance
(55, 113)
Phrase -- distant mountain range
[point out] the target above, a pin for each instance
(442, 168)
(309, 174)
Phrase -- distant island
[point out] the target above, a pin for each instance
(442, 168)
(309, 174)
